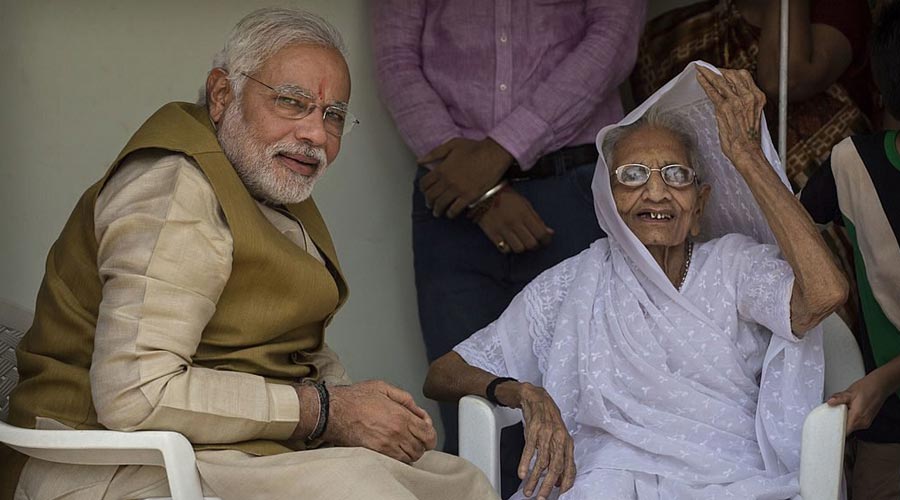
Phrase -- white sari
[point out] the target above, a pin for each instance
(698, 393)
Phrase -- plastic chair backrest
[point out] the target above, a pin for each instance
(843, 361)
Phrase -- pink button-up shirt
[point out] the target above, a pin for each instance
(533, 75)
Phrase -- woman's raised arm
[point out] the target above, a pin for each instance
(819, 286)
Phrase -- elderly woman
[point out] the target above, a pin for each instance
(678, 357)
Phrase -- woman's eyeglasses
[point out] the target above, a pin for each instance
(636, 174)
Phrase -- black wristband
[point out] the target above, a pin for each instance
(492, 389)
(322, 421)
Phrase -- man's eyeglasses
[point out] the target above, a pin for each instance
(636, 174)
(298, 103)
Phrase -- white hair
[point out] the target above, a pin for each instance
(672, 122)
(262, 33)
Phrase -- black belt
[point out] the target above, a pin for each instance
(555, 163)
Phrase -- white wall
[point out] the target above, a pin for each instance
(80, 77)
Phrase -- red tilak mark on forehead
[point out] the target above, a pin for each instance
(321, 84)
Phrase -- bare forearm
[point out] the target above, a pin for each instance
(889, 375)
(799, 43)
(819, 286)
(818, 54)
(450, 378)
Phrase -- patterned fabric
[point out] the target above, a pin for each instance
(9, 376)
(698, 393)
(714, 31)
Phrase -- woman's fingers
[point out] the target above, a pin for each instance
(527, 454)
(722, 86)
(705, 81)
(543, 459)
(556, 466)
(711, 91)
(567, 479)
(742, 79)
(736, 81)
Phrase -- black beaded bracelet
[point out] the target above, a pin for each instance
(322, 421)
(492, 389)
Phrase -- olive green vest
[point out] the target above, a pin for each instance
(277, 301)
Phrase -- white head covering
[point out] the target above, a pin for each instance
(651, 386)
(790, 369)
(731, 207)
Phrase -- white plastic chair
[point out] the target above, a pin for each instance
(821, 454)
(170, 450)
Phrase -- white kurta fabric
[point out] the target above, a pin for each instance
(693, 394)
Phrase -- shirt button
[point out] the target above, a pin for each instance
(503, 87)
(503, 38)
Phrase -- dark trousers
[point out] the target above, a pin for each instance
(463, 283)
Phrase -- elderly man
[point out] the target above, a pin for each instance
(190, 289)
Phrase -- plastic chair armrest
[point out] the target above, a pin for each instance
(480, 423)
(822, 452)
(101, 447)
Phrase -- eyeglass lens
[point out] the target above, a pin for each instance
(337, 121)
(297, 105)
(674, 175)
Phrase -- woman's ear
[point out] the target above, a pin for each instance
(218, 93)
(699, 206)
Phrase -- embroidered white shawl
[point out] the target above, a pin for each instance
(693, 394)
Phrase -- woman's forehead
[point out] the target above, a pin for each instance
(650, 144)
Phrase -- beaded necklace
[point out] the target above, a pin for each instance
(687, 265)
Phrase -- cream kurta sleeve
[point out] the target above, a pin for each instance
(165, 254)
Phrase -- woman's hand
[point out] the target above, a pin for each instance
(739, 105)
(547, 441)
(819, 286)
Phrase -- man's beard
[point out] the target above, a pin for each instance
(257, 164)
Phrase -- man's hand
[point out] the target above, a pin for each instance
(547, 441)
(864, 399)
(510, 219)
(467, 169)
(380, 417)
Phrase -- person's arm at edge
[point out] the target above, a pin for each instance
(562, 104)
(818, 54)
(866, 396)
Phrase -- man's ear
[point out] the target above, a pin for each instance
(699, 207)
(218, 93)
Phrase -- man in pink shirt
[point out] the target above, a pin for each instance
(500, 101)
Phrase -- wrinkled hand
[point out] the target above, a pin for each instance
(546, 440)
(511, 219)
(864, 399)
(739, 105)
(467, 170)
(380, 417)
